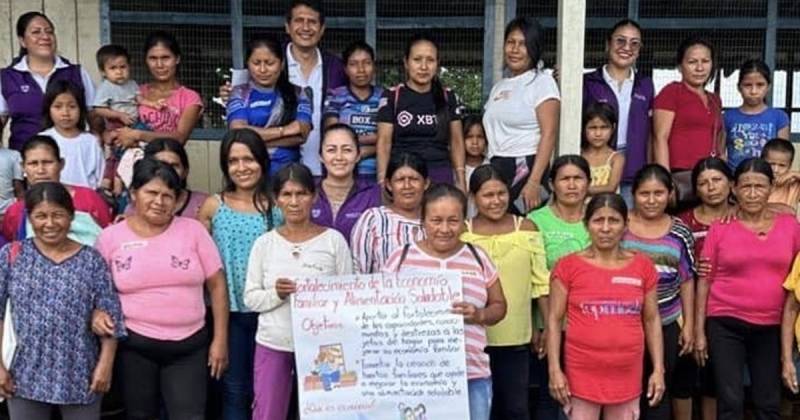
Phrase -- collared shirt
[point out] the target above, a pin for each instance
(624, 93)
(22, 65)
(310, 149)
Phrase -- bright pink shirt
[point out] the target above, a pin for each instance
(160, 279)
(166, 120)
(692, 135)
(476, 281)
(748, 269)
(604, 344)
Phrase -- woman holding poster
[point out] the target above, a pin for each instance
(444, 209)
(299, 248)
(609, 298)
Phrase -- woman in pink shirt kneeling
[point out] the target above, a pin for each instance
(740, 296)
(608, 295)
(161, 265)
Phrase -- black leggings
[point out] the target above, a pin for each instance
(174, 371)
(510, 380)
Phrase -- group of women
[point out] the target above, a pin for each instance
(188, 292)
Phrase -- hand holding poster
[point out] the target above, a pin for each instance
(381, 346)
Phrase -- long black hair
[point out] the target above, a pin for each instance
(253, 142)
(710, 163)
(532, 31)
(56, 88)
(23, 21)
(437, 89)
(692, 41)
(285, 88)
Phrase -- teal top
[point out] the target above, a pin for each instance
(234, 232)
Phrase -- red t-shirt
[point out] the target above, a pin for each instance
(604, 344)
(698, 228)
(84, 199)
(694, 127)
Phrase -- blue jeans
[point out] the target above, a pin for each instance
(480, 398)
(237, 382)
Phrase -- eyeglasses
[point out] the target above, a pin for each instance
(634, 44)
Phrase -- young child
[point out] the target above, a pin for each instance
(475, 148)
(779, 153)
(606, 164)
(11, 186)
(65, 121)
(748, 127)
(117, 100)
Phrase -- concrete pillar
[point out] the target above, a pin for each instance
(571, 35)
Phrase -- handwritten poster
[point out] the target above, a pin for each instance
(381, 346)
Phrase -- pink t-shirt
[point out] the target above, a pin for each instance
(166, 120)
(748, 270)
(604, 344)
(475, 284)
(160, 279)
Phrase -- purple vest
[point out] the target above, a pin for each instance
(595, 89)
(364, 195)
(26, 100)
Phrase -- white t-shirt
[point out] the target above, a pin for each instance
(309, 151)
(84, 162)
(509, 118)
(10, 170)
(273, 257)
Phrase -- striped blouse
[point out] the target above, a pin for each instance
(674, 259)
(476, 279)
(378, 233)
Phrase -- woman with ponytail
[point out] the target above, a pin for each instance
(422, 116)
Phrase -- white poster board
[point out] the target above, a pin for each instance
(380, 347)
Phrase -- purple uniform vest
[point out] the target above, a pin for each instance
(364, 195)
(26, 100)
(595, 89)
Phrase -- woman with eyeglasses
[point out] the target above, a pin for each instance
(629, 93)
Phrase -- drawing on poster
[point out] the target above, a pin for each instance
(330, 370)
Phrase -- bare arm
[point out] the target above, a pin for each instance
(687, 306)
(207, 211)
(218, 350)
(701, 346)
(559, 388)
(458, 154)
(101, 376)
(655, 345)
(384, 149)
(547, 114)
(784, 133)
(617, 165)
(791, 308)
(495, 309)
(19, 188)
(191, 115)
(662, 127)
(292, 134)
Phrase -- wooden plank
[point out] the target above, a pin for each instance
(8, 37)
(198, 160)
(89, 36)
(63, 15)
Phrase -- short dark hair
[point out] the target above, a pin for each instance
(164, 38)
(357, 46)
(149, 169)
(756, 165)
(778, 145)
(652, 171)
(620, 24)
(441, 190)
(108, 52)
(692, 41)
(603, 111)
(51, 192)
(532, 31)
(41, 140)
(710, 163)
(755, 65)
(483, 174)
(295, 172)
(607, 199)
(56, 88)
(564, 160)
(311, 4)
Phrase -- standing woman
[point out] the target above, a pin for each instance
(687, 119)
(563, 231)
(299, 248)
(629, 93)
(182, 106)
(521, 115)
(738, 319)
(53, 284)
(236, 217)
(270, 105)
(382, 230)
(670, 245)
(422, 116)
(24, 82)
(444, 209)
(161, 264)
(343, 195)
(356, 104)
(41, 162)
(515, 247)
(608, 295)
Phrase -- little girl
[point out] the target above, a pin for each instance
(65, 121)
(599, 127)
(749, 127)
(475, 148)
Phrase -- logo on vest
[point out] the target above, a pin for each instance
(404, 118)
(25, 88)
(315, 213)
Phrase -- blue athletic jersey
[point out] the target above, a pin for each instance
(360, 115)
